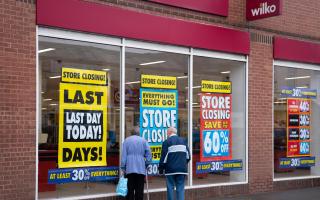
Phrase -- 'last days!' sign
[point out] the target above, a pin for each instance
(83, 125)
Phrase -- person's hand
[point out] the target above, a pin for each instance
(122, 172)
(161, 171)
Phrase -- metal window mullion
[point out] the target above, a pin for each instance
(38, 108)
(122, 97)
(247, 118)
(273, 120)
(190, 97)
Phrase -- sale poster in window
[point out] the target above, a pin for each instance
(298, 127)
(158, 112)
(82, 118)
(215, 123)
(82, 147)
(215, 120)
(216, 129)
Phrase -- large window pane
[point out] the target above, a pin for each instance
(222, 135)
(296, 119)
(54, 55)
(139, 62)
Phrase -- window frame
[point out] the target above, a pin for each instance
(123, 43)
(294, 65)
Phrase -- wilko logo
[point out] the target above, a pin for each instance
(258, 9)
(264, 9)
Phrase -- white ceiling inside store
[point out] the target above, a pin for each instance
(76, 54)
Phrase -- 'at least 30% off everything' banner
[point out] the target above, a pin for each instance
(158, 112)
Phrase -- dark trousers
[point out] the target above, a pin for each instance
(135, 186)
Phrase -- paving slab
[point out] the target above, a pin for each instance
(298, 194)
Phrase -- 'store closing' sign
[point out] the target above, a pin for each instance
(215, 120)
(158, 112)
(82, 125)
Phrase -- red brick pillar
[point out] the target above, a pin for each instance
(17, 99)
(260, 114)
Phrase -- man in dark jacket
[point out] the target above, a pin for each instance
(174, 160)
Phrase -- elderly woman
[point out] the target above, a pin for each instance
(136, 155)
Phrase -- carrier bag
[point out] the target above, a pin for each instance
(122, 187)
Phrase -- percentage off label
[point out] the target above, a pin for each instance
(305, 148)
(58, 176)
(218, 166)
(297, 162)
(215, 143)
(153, 169)
(298, 127)
(298, 93)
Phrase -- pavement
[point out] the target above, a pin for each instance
(298, 194)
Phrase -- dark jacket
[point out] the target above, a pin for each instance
(175, 156)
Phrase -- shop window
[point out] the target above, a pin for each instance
(144, 70)
(80, 90)
(296, 116)
(219, 118)
(82, 106)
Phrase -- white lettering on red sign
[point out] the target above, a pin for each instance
(263, 9)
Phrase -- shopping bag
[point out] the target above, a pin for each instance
(122, 187)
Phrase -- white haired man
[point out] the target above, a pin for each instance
(175, 156)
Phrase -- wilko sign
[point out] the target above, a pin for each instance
(258, 9)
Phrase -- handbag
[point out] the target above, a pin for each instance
(122, 187)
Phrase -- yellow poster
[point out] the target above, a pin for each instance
(83, 125)
(72, 75)
(161, 82)
(216, 87)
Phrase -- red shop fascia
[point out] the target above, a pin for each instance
(114, 21)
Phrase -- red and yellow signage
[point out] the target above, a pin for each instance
(94, 77)
(216, 87)
(160, 82)
(298, 127)
(215, 120)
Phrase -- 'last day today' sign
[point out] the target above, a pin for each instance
(82, 122)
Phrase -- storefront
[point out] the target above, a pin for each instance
(203, 93)
(296, 110)
(139, 61)
(242, 94)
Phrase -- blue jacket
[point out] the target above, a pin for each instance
(136, 155)
(175, 156)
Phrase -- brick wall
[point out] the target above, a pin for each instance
(17, 100)
(18, 92)
(260, 117)
(299, 19)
